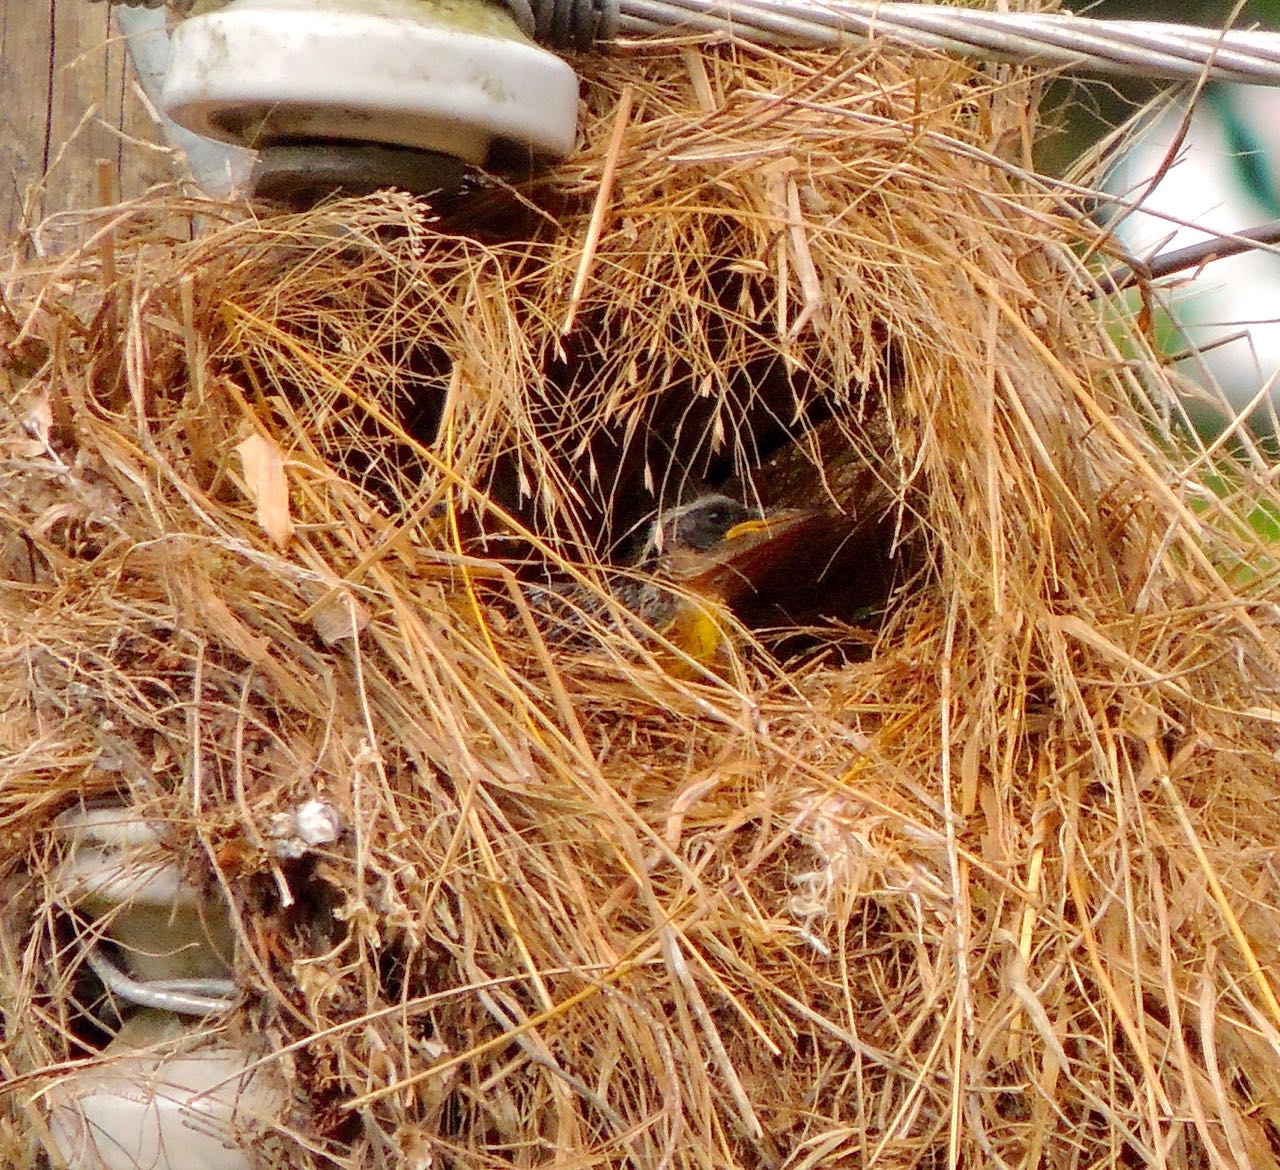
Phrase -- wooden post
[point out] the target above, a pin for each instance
(69, 101)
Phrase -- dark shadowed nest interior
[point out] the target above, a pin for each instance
(956, 845)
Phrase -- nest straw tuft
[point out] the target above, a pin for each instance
(993, 885)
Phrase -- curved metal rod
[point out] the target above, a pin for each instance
(184, 997)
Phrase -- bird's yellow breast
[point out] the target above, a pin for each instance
(699, 628)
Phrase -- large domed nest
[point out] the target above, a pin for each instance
(954, 843)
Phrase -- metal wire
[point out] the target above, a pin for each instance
(1123, 48)
(186, 997)
(566, 24)
(1115, 47)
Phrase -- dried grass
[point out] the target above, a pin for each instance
(1000, 892)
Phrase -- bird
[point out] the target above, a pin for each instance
(698, 562)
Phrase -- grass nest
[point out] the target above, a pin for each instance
(975, 864)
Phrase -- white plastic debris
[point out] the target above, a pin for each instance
(313, 823)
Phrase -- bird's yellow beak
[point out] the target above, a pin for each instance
(746, 528)
(773, 525)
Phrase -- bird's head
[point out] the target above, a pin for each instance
(721, 547)
(698, 526)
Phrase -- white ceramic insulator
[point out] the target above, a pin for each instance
(453, 77)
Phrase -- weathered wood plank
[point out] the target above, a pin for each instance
(68, 101)
(26, 62)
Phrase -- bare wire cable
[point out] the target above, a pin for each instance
(1112, 47)
(1125, 48)
(184, 997)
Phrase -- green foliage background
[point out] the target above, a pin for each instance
(1082, 112)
